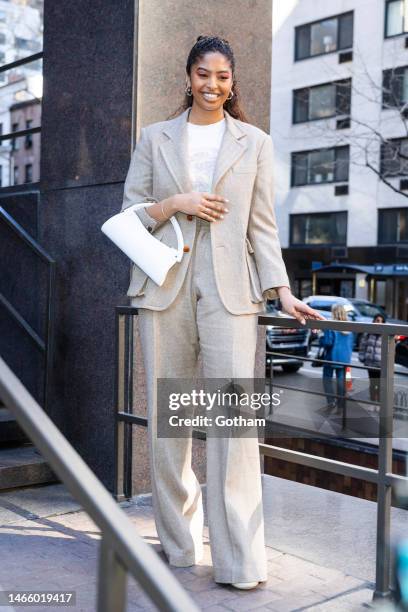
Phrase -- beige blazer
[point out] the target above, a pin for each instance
(245, 246)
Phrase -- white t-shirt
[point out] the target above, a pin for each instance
(204, 142)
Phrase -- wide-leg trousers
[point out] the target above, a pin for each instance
(171, 340)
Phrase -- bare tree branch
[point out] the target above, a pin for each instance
(370, 144)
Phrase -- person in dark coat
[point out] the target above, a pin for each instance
(370, 355)
(339, 347)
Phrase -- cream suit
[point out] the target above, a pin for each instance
(208, 304)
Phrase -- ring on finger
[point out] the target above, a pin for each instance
(210, 212)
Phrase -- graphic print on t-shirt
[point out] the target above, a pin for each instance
(204, 142)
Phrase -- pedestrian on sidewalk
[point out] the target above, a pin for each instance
(339, 348)
(213, 170)
(370, 355)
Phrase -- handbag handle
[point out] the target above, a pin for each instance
(175, 224)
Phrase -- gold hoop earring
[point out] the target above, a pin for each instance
(232, 94)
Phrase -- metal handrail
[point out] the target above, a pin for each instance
(23, 234)
(46, 345)
(385, 479)
(322, 361)
(383, 476)
(28, 59)
(121, 550)
(390, 329)
(20, 133)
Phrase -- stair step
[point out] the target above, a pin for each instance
(10, 430)
(22, 466)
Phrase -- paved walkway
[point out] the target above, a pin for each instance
(48, 543)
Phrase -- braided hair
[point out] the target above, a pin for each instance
(213, 44)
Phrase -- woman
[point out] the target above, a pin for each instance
(339, 347)
(370, 355)
(213, 170)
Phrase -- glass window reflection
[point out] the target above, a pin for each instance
(323, 37)
(395, 17)
(322, 102)
(319, 228)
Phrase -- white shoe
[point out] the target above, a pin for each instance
(245, 586)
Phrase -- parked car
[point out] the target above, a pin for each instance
(401, 351)
(295, 343)
(362, 311)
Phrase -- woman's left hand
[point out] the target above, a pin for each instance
(296, 308)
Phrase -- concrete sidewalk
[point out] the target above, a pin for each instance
(48, 543)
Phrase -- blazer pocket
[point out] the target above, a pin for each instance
(249, 245)
(137, 287)
(254, 282)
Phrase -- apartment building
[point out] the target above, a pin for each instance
(340, 130)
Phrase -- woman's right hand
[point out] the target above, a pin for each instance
(208, 206)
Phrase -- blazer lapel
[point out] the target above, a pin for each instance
(175, 150)
(231, 150)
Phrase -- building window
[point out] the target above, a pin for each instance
(322, 101)
(29, 137)
(324, 36)
(395, 17)
(318, 228)
(320, 166)
(392, 225)
(303, 287)
(2, 38)
(1, 176)
(28, 173)
(16, 175)
(395, 87)
(26, 44)
(394, 158)
(15, 143)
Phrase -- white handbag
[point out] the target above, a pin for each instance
(129, 234)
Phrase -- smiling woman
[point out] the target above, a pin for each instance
(213, 170)
(211, 80)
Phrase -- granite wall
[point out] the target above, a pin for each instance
(86, 145)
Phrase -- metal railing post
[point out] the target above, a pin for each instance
(124, 340)
(384, 488)
(344, 401)
(128, 431)
(120, 458)
(112, 580)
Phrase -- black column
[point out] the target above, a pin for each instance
(86, 144)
